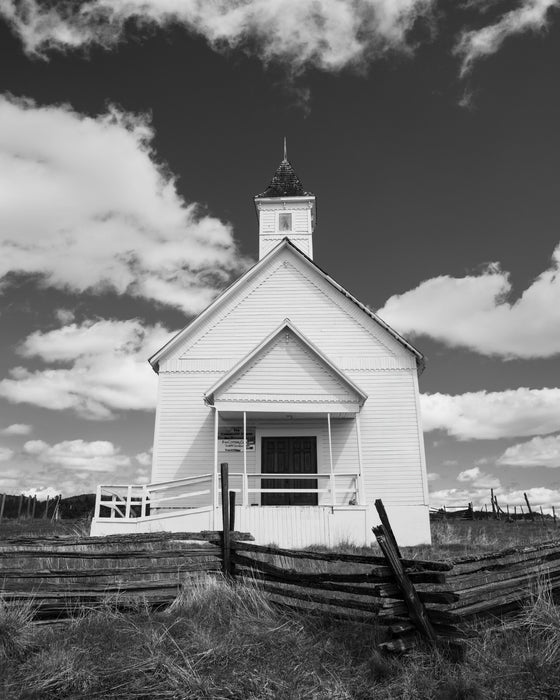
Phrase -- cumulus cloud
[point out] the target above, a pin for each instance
(538, 452)
(17, 429)
(529, 16)
(85, 206)
(484, 415)
(104, 368)
(5, 454)
(473, 312)
(479, 479)
(43, 493)
(328, 34)
(96, 456)
(144, 459)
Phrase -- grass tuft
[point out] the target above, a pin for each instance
(16, 630)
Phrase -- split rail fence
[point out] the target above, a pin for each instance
(410, 598)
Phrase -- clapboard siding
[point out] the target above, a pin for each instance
(329, 319)
(286, 287)
(287, 369)
(391, 451)
(184, 440)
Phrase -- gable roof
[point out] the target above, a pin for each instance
(179, 337)
(333, 380)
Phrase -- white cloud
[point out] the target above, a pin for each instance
(433, 476)
(531, 15)
(85, 206)
(96, 456)
(106, 368)
(479, 479)
(5, 454)
(473, 312)
(538, 452)
(43, 493)
(144, 459)
(469, 474)
(484, 415)
(329, 34)
(17, 429)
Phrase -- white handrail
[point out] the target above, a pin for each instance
(134, 499)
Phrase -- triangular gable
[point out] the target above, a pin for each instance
(184, 334)
(286, 368)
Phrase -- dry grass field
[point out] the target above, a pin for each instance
(221, 641)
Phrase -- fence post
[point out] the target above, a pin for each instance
(416, 609)
(46, 513)
(554, 515)
(232, 511)
(387, 525)
(226, 540)
(34, 506)
(20, 505)
(2, 506)
(529, 507)
(55, 514)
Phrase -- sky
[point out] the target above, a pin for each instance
(133, 136)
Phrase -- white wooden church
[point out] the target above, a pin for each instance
(310, 398)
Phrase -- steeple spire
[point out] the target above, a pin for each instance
(285, 210)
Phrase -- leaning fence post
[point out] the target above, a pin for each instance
(226, 539)
(413, 603)
(46, 513)
(2, 506)
(529, 507)
(387, 525)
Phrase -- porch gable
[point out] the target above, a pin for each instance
(286, 372)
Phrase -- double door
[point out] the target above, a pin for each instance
(289, 455)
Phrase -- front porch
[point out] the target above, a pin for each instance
(291, 474)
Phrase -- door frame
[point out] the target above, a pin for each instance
(289, 430)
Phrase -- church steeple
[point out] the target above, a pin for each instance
(285, 209)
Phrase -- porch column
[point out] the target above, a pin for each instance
(361, 496)
(215, 482)
(245, 485)
(332, 481)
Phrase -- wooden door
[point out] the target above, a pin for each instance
(289, 455)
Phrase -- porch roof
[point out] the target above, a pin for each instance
(286, 373)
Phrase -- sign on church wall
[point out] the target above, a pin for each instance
(230, 439)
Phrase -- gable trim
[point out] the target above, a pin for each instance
(286, 324)
(156, 358)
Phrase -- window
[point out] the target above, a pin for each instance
(284, 222)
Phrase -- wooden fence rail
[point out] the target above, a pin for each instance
(410, 598)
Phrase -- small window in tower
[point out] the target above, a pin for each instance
(284, 222)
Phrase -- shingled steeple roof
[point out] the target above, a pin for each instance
(285, 182)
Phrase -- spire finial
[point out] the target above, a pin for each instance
(285, 149)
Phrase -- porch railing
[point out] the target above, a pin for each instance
(138, 501)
